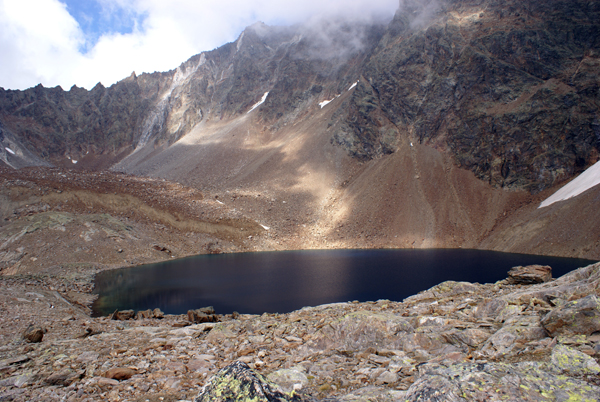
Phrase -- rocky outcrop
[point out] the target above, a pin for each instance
(205, 314)
(66, 127)
(580, 316)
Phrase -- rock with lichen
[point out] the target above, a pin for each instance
(238, 383)
(572, 361)
(527, 381)
(576, 317)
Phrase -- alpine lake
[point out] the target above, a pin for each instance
(283, 281)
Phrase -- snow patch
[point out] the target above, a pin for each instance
(581, 183)
(222, 203)
(264, 227)
(74, 161)
(10, 151)
(260, 102)
(353, 85)
(327, 102)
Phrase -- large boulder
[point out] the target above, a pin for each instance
(530, 274)
(575, 317)
(204, 314)
(238, 383)
(119, 373)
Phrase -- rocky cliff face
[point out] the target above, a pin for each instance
(294, 65)
(510, 89)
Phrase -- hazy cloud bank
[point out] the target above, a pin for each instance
(41, 42)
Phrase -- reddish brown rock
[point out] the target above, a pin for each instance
(205, 314)
(530, 274)
(119, 373)
(123, 315)
(34, 334)
(65, 377)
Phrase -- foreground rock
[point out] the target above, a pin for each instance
(454, 342)
(237, 382)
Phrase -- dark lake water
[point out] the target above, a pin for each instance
(284, 281)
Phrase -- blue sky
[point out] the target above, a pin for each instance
(71, 42)
(96, 19)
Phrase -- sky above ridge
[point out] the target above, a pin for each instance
(83, 42)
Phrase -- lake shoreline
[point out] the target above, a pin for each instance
(284, 281)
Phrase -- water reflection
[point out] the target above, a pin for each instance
(285, 281)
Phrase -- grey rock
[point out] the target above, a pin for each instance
(497, 382)
(289, 380)
(18, 380)
(574, 362)
(361, 330)
(387, 377)
(490, 308)
(374, 394)
(576, 317)
(87, 357)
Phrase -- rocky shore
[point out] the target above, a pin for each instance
(512, 340)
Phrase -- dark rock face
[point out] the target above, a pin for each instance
(54, 123)
(295, 65)
(508, 88)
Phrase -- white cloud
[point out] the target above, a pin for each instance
(40, 42)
